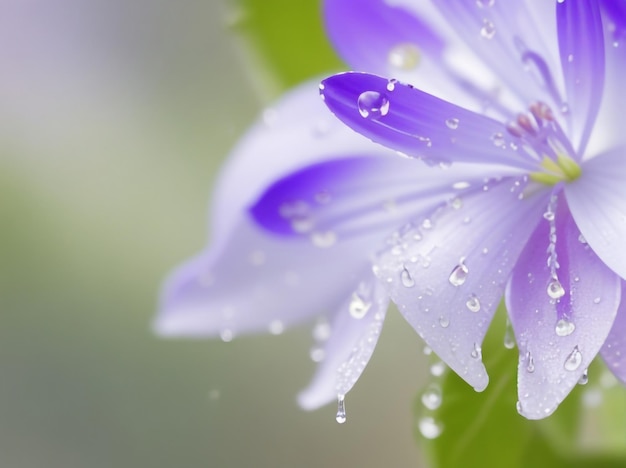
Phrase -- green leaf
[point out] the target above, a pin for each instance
(484, 429)
(289, 38)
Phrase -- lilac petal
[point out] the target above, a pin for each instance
(258, 282)
(505, 35)
(294, 132)
(353, 336)
(366, 32)
(560, 327)
(614, 349)
(352, 196)
(597, 201)
(581, 43)
(447, 273)
(418, 124)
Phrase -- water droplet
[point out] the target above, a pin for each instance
(488, 30)
(555, 289)
(584, 379)
(321, 331)
(473, 304)
(573, 360)
(391, 84)
(477, 352)
(459, 273)
(485, 3)
(407, 279)
(444, 322)
(460, 185)
(564, 327)
(431, 398)
(498, 139)
(317, 354)
(509, 335)
(456, 203)
(358, 307)
(324, 239)
(404, 56)
(582, 239)
(570, 58)
(597, 300)
(429, 428)
(452, 123)
(427, 224)
(373, 105)
(530, 363)
(226, 335)
(276, 327)
(548, 215)
(437, 369)
(341, 409)
(302, 224)
(518, 407)
(427, 350)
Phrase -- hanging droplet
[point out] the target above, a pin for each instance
(564, 327)
(555, 289)
(477, 352)
(437, 369)
(359, 307)
(373, 105)
(509, 335)
(488, 30)
(452, 123)
(473, 304)
(459, 274)
(404, 56)
(429, 428)
(406, 278)
(324, 239)
(584, 379)
(530, 363)
(341, 409)
(431, 398)
(573, 360)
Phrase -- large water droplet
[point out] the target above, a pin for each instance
(431, 398)
(407, 279)
(404, 56)
(459, 274)
(341, 409)
(564, 327)
(373, 105)
(573, 360)
(429, 428)
(509, 335)
(359, 307)
(555, 289)
(488, 30)
(473, 304)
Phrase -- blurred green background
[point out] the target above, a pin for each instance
(114, 119)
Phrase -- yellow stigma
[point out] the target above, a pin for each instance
(564, 169)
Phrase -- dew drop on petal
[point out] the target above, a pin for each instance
(488, 30)
(407, 279)
(582, 239)
(564, 327)
(358, 307)
(555, 289)
(584, 379)
(498, 139)
(473, 303)
(317, 354)
(321, 331)
(276, 327)
(373, 105)
(509, 335)
(431, 398)
(597, 300)
(404, 56)
(477, 352)
(341, 409)
(444, 322)
(530, 363)
(573, 360)
(226, 335)
(429, 428)
(485, 3)
(437, 369)
(452, 123)
(459, 274)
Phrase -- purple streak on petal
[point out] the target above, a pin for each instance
(258, 282)
(364, 33)
(581, 44)
(359, 195)
(447, 273)
(503, 34)
(614, 349)
(597, 201)
(352, 340)
(553, 354)
(419, 124)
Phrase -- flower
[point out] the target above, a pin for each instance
(515, 190)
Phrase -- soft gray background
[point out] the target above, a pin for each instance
(114, 117)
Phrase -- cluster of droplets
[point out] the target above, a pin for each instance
(431, 399)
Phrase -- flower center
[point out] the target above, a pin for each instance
(544, 141)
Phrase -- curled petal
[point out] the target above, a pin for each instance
(354, 332)
(561, 316)
(597, 201)
(581, 43)
(418, 124)
(447, 273)
(614, 349)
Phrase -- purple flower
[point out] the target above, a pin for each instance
(516, 190)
